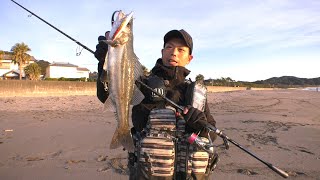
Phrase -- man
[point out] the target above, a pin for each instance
(169, 74)
(176, 54)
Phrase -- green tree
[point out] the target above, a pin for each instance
(199, 77)
(93, 76)
(43, 65)
(20, 56)
(229, 81)
(33, 71)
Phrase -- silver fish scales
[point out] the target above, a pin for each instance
(123, 68)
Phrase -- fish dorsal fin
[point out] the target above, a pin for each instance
(138, 72)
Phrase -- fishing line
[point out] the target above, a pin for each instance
(78, 50)
(85, 47)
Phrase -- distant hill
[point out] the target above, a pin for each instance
(290, 80)
(279, 82)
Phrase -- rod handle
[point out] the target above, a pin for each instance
(279, 171)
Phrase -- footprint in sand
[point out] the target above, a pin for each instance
(34, 158)
(304, 150)
(296, 173)
(102, 158)
(246, 172)
(71, 161)
(262, 139)
(55, 154)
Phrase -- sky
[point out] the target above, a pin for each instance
(246, 40)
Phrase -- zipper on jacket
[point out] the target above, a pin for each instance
(176, 72)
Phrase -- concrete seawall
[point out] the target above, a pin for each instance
(11, 88)
(25, 88)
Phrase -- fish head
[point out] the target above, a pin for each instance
(121, 29)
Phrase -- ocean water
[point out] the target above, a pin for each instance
(317, 89)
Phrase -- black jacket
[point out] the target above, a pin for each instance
(176, 90)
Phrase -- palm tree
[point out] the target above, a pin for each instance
(20, 56)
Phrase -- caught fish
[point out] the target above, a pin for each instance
(123, 68)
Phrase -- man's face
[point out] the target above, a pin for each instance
(176, 53)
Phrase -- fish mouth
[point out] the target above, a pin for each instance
(119, 25)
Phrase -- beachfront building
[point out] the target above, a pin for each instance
(66, 70)
(9, 70)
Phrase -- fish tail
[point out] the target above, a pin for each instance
(122, 137)
(115, 141)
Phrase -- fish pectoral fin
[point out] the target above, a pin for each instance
(138, 70)
(108, 105)
(137, 96)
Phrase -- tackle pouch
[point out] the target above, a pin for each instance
(196, 95)
(198, 159)
(156, 151)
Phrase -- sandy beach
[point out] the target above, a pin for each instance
(67, 137)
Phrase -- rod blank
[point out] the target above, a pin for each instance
(80, 44)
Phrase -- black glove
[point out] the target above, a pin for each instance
(195, 118)
(101, 51)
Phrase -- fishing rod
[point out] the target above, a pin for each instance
(80, 44)
(224, 136)
(220, 133)
(208, 126)
(161, 95)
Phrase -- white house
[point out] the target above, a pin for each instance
(9, 70)
(66, 70)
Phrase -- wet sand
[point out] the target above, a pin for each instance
(68, 137)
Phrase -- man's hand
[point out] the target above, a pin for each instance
(194, 117)
(197, 120)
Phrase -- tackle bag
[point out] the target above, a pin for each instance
(156, 151)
